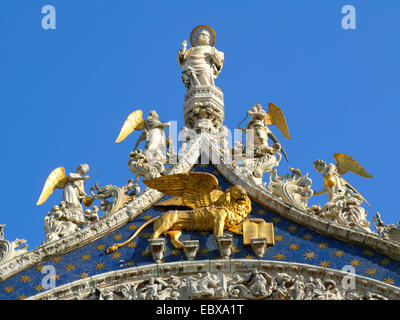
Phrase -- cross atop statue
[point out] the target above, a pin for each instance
(202, 63)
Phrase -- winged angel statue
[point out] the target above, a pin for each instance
(151, 162)
(68, 216)
(344, 201)
(258, 125)
(334, 184)
(265, 157)
(211, 209)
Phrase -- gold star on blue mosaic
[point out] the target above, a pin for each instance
(371, 271)
(279, 257)
(132, 244)
(117, 237)
(38, 288)
(25, 278)
(309, 255)
(147, 217)
(322, 245)
(70, 267)
(9, 289)
(101, 247)
(22, 297)
(325, 264)
(307, 236)
(276, 219)
(292, 228)
(278, 238)
(145, 253)
(55, 277)
(146, 235)
(86, 257)
(116, 255)
(84, 275)
(293, 247)
(368, 252)
(175, 252)
(57, 259)
(339, 253)
(132, 227)
(385, 261)
(99, 265)
(388, 280)
(355, 262)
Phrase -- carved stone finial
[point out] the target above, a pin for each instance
(190, 247)
(259, 246)
(225, 243)
(157, 249)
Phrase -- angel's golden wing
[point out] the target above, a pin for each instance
(133, 122)
(194, 188)
(56, 179)
(275, 116)
(352, 188)
(346, 163)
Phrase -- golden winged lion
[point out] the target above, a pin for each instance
(334, 184)
(211, 209)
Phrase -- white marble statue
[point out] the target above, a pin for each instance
(202, 63)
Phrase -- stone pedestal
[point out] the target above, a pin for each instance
(259, 245)
(157, 249)
(190, 248)
(225, 244)
(204, 108)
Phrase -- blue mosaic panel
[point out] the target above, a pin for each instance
(294, 243)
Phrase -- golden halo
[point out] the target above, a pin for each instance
(195, 32)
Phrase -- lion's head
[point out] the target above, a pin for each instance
(236, 200)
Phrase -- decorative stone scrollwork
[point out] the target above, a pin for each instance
(347, 212)
(121, 196)
(143, 168)
(294, 189)
(61, 221)
(278, 283)
(11, 249)
(254, 168)
(385, 231)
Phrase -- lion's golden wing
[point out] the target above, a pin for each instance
(133, 122)
(346, 163)
(56, 179)
(178, 201)
(275, 116)
(194, 187)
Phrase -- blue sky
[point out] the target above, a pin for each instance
(65, 93)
